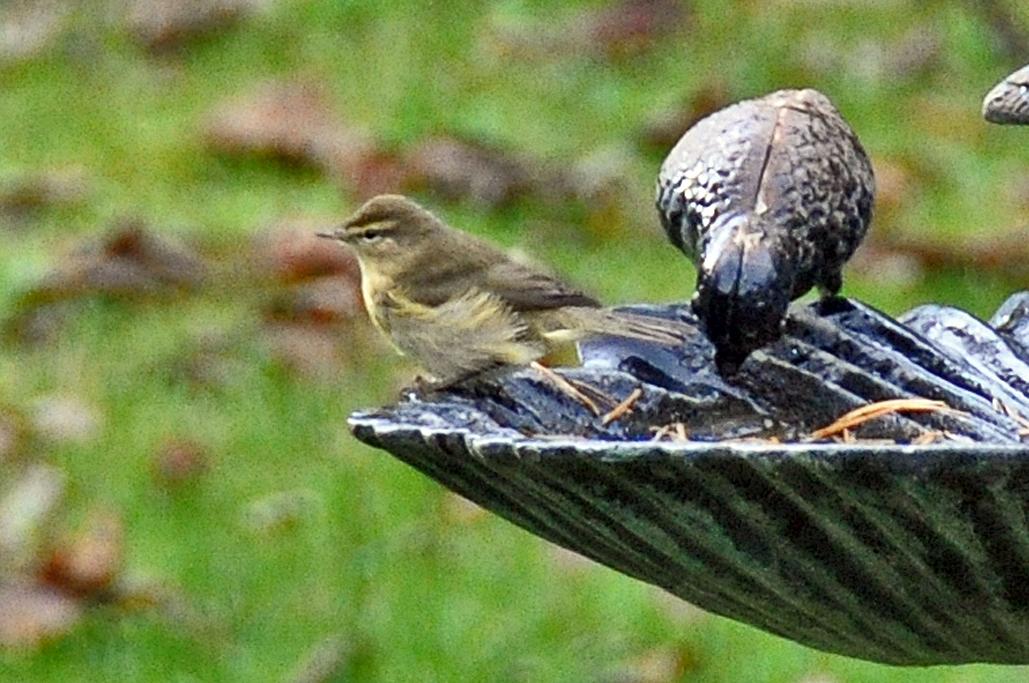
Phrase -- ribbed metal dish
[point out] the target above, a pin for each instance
(891, 552)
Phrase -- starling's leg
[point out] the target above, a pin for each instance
(566, 387)
(831, 284)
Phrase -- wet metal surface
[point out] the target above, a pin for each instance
(880, 549)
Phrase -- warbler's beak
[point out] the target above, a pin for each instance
(337, 234)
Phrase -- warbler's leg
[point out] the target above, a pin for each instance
(565, 387)
(419, 389)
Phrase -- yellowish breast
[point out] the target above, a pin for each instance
(374, 284)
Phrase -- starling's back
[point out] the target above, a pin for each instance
(768, 197)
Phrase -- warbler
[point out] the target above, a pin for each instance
(458, 305)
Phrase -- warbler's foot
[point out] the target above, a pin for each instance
(578, 391)
(420, 389)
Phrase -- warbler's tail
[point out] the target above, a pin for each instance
(574, 323)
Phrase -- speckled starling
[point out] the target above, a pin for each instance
(1008, 102)
(768, 197)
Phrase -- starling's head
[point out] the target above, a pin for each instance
(388, 232)
(744, 285)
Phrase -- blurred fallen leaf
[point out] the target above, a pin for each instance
(31, 615)
(876, 59)
(292, 252)
(627, 27)
(25, 195)
(86, 563)
(15, 433)
(66, 419)
(658, 665)
(1002, 253)
(162, 25)
(897, 184)
(887, 266)
(820, 677)
(129, 261)
(27, 503)
(456, 168)
(313, 352)
(179, 461)
(662, 129)
(211, 359)
(326, 661)
(327, 300)
(293, 121)
(1012, 36)
(282, 510)
(617, 30)
(28, 27)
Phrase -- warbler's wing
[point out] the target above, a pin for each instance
(526, 289)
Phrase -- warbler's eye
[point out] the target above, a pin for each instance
(371, 236)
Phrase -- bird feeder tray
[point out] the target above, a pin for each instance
(902, 540)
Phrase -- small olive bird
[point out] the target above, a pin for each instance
(459, 306)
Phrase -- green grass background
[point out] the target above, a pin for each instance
(380, 559)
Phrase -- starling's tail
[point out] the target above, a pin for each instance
(744, 286)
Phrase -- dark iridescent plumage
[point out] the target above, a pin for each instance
(769, 197)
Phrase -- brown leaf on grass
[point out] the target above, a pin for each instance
(657, 665)
(859, 416)
(662, 129)
(294, 121)
(886, 266)
(627, 27)
(456, 168)
(31, 615)
(211, 359)
(292, 252)
(27, 504)
(66, 419)
(1002, 253)
(23, 196)
(875, 59)
(898, 184)
(15, 433)
(86, 564)
(325, 301)
(326, 661)
(323, 288)
(163, 25)
(1011, 35)
(1015, 189)
(287, 120)
(178, 462)
(618, 30)
(314, 352)
(130, 261)
(282, 510)
(28, 27)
